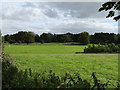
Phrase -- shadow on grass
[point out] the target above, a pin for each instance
(74, 44)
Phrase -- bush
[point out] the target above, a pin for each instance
(8, 70)
(11, 77)
(107, 48)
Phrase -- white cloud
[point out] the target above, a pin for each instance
(21, 13)
(81, 25)
(10, 27)
(56, 18)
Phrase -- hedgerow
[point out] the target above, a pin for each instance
(107, 48)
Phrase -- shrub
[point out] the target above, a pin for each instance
(8, 70)
(107, 48)
(11, 77)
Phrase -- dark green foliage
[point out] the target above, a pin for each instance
(20, 37)
(84, 38)
(98, 84)
(67, 38)
(104, 38)
(37, 38)
(114, 6)
(46, 37)
(8, 70)
(75, 81)
(7, 38)
(41, 41)
(107, 48)
(11, 77)
(58, 38)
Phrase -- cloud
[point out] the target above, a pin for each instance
(79, 9)
(56, 17)
(21, 13)
(73, 9)
(10, 27)
(36, 11)
(51, 13)
(82, 25)
(73, 26)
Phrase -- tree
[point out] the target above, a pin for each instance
(46, 37)
(20, 37)
(59, 38)
(29, 37)
(118, 41)
(37, 38)
(103, 38)
(67, 37)
(7, 38)
(112, 6)
(76, 38)
(84, 38)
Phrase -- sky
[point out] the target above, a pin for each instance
(55, 17)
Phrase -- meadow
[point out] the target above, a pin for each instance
(62, 59)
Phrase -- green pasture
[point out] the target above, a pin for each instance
(47, 48)
(62, 59)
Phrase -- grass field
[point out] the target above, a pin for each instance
(47, 48)
(62, 58)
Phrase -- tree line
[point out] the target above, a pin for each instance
(83, 38)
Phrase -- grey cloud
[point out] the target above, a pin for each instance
(51, 13)
(78, 9)
(29, 4)
(31, 12)
(28, 12)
